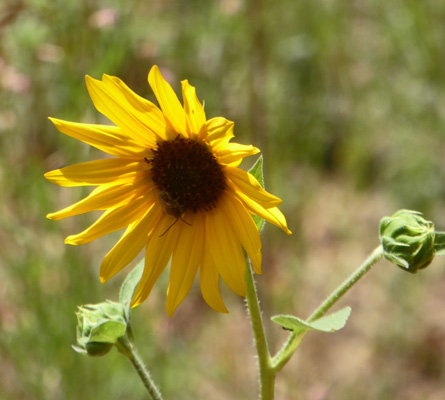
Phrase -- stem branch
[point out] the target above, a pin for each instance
(289, 348)
(374, 257)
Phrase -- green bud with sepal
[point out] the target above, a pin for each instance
(99, 327)
(409, 240)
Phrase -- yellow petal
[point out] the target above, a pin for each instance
(167, 99)
(136, 116)
(103, 197)
(143, 110)
(109, 139)
(100, 172)
(112, 220)
(233, 153)
(272, 215)
(209, 282)
(225, 250)
(244, 227)
(157, 254)
(130, 244)
(247, 184)
(217, 131)
(194, 110)
(186, 259)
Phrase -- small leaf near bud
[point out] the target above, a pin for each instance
(99, 327)
(408, 240)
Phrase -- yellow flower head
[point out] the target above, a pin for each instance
(173, 182)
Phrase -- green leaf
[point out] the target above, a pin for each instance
(330, 323)
(130, 284)
(257, 172)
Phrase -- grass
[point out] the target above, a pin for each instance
(346, 100)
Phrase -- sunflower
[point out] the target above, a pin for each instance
(173, 182)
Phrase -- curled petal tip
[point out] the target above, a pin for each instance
(70, 240)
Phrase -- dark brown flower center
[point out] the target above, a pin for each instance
(187, 175)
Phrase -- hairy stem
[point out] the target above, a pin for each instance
(294, 340)
(128, 349)
(374, 257)
(267, 374)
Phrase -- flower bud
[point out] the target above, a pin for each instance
(408, 240)
(99, 327)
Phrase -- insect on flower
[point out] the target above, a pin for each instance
(172, 207)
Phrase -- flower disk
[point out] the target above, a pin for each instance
(187, 174)
(173, 182)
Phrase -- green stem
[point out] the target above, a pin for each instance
(287, 351)
(267, 373)
(374, 257)
(128, 349)
(289, 348)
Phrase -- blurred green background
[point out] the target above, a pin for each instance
(347, 101)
